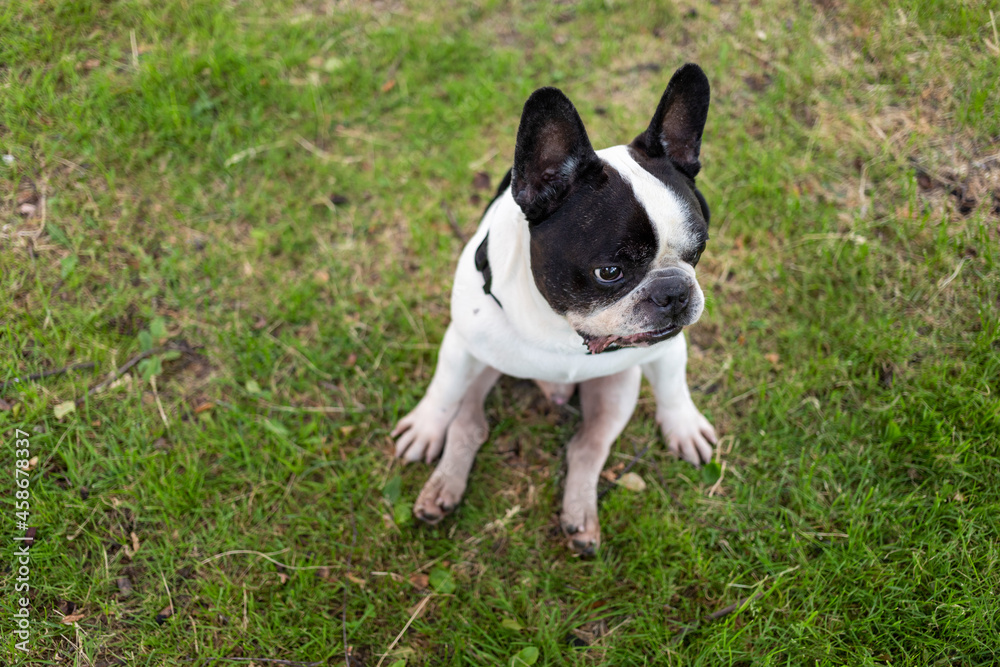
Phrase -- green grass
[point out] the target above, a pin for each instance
(849, 352)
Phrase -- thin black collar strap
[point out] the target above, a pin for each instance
(483, 266)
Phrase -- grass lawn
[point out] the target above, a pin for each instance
(256, 195)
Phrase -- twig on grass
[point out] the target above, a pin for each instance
(416, 612)
(159, 405)
(124, 368)
(265, 557)
(273, 661)
(347, 581)
(322, 154)
(38, 376)
(253, 151)
(455, 229)
(735, 607)
(738, 605)
(298, 353)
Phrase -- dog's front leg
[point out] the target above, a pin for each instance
(466, 434)
(689, 435)
(420, 434)
(606, 404)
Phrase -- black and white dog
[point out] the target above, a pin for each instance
(582, 272)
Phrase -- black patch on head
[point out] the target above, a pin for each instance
(601, 223)
(676, 128)
(552, 152)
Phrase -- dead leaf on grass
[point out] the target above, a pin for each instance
(420, 580)
(70, 619)
(124, 586)
(481, 181)
(632, 482)
(164, 614)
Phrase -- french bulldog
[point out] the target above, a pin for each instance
(580, 275)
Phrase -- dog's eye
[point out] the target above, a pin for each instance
(608, 274)
(697, 254)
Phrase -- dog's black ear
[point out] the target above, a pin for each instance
(552, 150)
(676, 128)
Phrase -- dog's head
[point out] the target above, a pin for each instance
(616, 235)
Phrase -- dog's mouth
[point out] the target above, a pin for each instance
(598, 344)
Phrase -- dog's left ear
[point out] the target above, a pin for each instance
(676, 128)
(552, 151)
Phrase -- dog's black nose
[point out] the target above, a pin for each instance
(670, 294)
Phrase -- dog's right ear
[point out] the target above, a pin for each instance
(552, 150)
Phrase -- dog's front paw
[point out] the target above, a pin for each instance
(420, 434)
(440, 495)
(583, 530)
(689, 435)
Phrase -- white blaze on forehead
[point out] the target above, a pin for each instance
(666, 211)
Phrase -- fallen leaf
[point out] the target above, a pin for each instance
(124, 586)
(283, 577)
(393, 489)
(72, 618)
(511, 624)
(356, 580)
(773, 358)
(135, 542)
(420, 580)
(64, 409)
(388, 85)
(632, 482)
(442, 581)
(481, 181)
(202, 407)
(711, 472)
(4, 405)
(321, 276)
(27, 193)
(164, 614)
(91, 63)
(526, 656)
